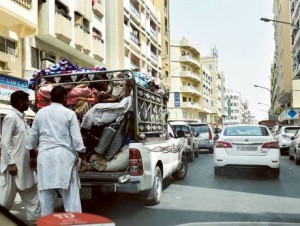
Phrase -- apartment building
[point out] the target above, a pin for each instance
(18, 19)
(236, 108)
(133, 31)
(206, 114)
(283, 67)
(71, 29)
(163, 7)
(186, 91)
(211, 63)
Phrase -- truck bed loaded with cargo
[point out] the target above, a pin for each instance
(123, 117)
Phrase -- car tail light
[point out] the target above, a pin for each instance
(273, 144)
(135, 162)
(209, 135)
(223, 144)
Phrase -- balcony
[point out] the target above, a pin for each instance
(98, 49)
(63, 28)
(135, 14)
(134, 38)
(19, 16)
(189, 45)
(98, 8)
(153, 34)
(190, 75)
(190, 105)
(190, 89)
(78, 37)
(86, 42)
(190, 60)
(84, 8)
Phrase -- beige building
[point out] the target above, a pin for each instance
(133, 31)
(163, 7)
(217, 96)
(18, 19)
(282, 96)
(186, 91)
(71, 29)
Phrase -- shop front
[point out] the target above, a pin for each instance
(8, 85)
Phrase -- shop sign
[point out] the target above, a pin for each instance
(9, 84)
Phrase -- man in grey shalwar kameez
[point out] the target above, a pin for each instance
(57, 131)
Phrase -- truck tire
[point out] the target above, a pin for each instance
(155, 193)
(182, 171)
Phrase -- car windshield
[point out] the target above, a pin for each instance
(246, 131)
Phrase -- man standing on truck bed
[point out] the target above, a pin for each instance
(56, 129)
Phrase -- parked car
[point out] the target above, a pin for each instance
(205, 135)
(294, 150)
(183, 131)
(247, 146)
(284, 135)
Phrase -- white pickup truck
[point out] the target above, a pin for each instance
(153, 152)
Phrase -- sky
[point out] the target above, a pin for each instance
(245, 44)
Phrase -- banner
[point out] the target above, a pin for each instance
(10, 84)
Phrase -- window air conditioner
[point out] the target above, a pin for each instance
(46, 64)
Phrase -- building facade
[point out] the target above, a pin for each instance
(186, 91)
(133, 29)
(281, 70)
(236, 108)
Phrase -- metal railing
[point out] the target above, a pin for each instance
(27, 4)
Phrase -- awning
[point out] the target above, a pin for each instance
(5, 108)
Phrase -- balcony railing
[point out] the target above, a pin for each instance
(135, 39)
(154, 32)
(153, 55)
(134, 10)
(27, 4)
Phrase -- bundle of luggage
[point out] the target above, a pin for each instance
(103, 105)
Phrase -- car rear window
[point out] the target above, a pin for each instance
(246, 131)
(291, 130)
(184, 128)
(199, 128)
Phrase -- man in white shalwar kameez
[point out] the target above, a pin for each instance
(56, 129)
(16, 175)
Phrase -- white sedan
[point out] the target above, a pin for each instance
(247, 146)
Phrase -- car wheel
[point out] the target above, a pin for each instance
(297, 161)
(191, 156)
(218, 171)
(291, 157)
(196, 153)
(182, 171)
(155, 193)
(275, 173)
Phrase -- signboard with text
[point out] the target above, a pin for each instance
(10, 84)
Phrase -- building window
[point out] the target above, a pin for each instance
(167, 48)
(184, 114)
(35, 58)
(97, 35)
(7, 46)
(183, 99)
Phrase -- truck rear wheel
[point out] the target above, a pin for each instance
(155, 193)
(182, 171)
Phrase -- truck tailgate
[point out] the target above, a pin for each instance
(95, 176)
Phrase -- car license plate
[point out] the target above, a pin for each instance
(86, 193)
(246, 148)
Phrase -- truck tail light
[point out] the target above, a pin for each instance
(273, 144)
(223, 144)
(189, 141)
(209, 135)
(135, 162)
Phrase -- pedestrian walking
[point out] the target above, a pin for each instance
(56, 132)
(16, 175)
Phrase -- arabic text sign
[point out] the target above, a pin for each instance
(9, 84)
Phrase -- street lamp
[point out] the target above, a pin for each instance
(278, 21)
(263, 88)
(264, 104)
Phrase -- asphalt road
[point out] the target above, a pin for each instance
(246, 196)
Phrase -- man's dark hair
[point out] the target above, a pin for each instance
(58, 94)
(18, 97)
